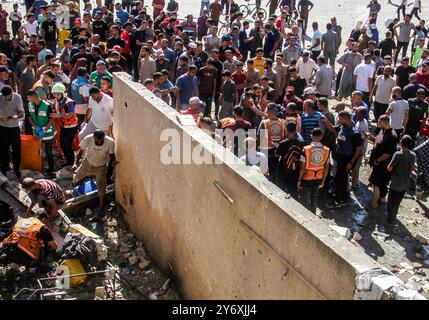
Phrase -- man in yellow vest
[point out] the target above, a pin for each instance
(313, 171)
(30, 240)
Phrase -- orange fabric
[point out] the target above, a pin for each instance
(65, 122)
(24, 234)
(275, 132)
(31, 157)
(316, 158)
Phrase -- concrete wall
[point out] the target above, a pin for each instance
(261, 246)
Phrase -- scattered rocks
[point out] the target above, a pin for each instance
(133, 260)
(144, 263)
(345, 232)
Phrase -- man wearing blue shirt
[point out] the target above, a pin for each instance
(186, 88)
(37, 4)
(270, 41)
(244, 40)
(121, 14)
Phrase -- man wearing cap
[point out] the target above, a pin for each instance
(11, 110)
(380, 94)
(100, 27)
(270, 132)
(363, 77)
(224, 46)
(160, 62)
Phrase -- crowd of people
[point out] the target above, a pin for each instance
(317, 96)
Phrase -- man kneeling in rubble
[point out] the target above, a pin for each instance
(97, 152)
(47, 195)
(30, 241)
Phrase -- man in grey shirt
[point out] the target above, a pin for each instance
(403, 38)
(323, 80)
(11, 110)
(330, 45)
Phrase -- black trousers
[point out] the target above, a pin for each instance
(398, 11)
(394, 200)
(401, 46)
(414, 12)
(207, 98)
(48, 146)
(379, 109)
(340, 179)
(66, 140)
(15, 27)
(10, 137)
(365, 97)
(315, 54)
(308, 194)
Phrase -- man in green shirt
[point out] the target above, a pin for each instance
(43, 125)
(98, 74)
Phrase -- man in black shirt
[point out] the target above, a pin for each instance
(296, 81)
(6, 44)
(100, 27)
(81, 54)
(388, 45)
(289, 152)
(410, 90)
(384, 148)
(115, 39)
(418, 110)
(403, 72)
(50, 31)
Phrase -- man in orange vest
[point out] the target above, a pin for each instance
(30, 240)
(313, 171)
(270, 132)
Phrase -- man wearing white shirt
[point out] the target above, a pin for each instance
(306, 67)
(363, 77)
(99, 114)
(398, 111)
(316, 41)
(31, 26)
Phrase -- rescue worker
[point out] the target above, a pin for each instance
(313, 170)
(270, 132)
(42, 86)
(66, 121)
(42, 124)
(79, 90)
(30, 240)
(97, 153)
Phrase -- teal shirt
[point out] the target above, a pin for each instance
(95, 78)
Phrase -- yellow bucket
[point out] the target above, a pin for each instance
(75, 267)
(64, 34)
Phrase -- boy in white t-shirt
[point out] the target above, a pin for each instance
(16, 18)
(31, 26)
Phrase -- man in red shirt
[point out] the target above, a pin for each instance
(3, 19)
(194, 108)
(239, 77)
(290, 97)
(158, 6)
(423, 76)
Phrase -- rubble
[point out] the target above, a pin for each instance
(133, 260)
(144, 263)
(345, 232)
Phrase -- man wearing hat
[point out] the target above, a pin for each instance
(270, 132)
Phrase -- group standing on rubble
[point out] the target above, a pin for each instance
(269, 73)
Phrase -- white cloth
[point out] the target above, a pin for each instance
(84, 92)
(363, 73)
(317, 35)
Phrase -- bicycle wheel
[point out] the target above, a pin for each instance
(255, 15)
(244, 10)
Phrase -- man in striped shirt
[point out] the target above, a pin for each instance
(46, 194)
(310, 119)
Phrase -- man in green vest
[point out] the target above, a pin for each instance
(42, 124)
